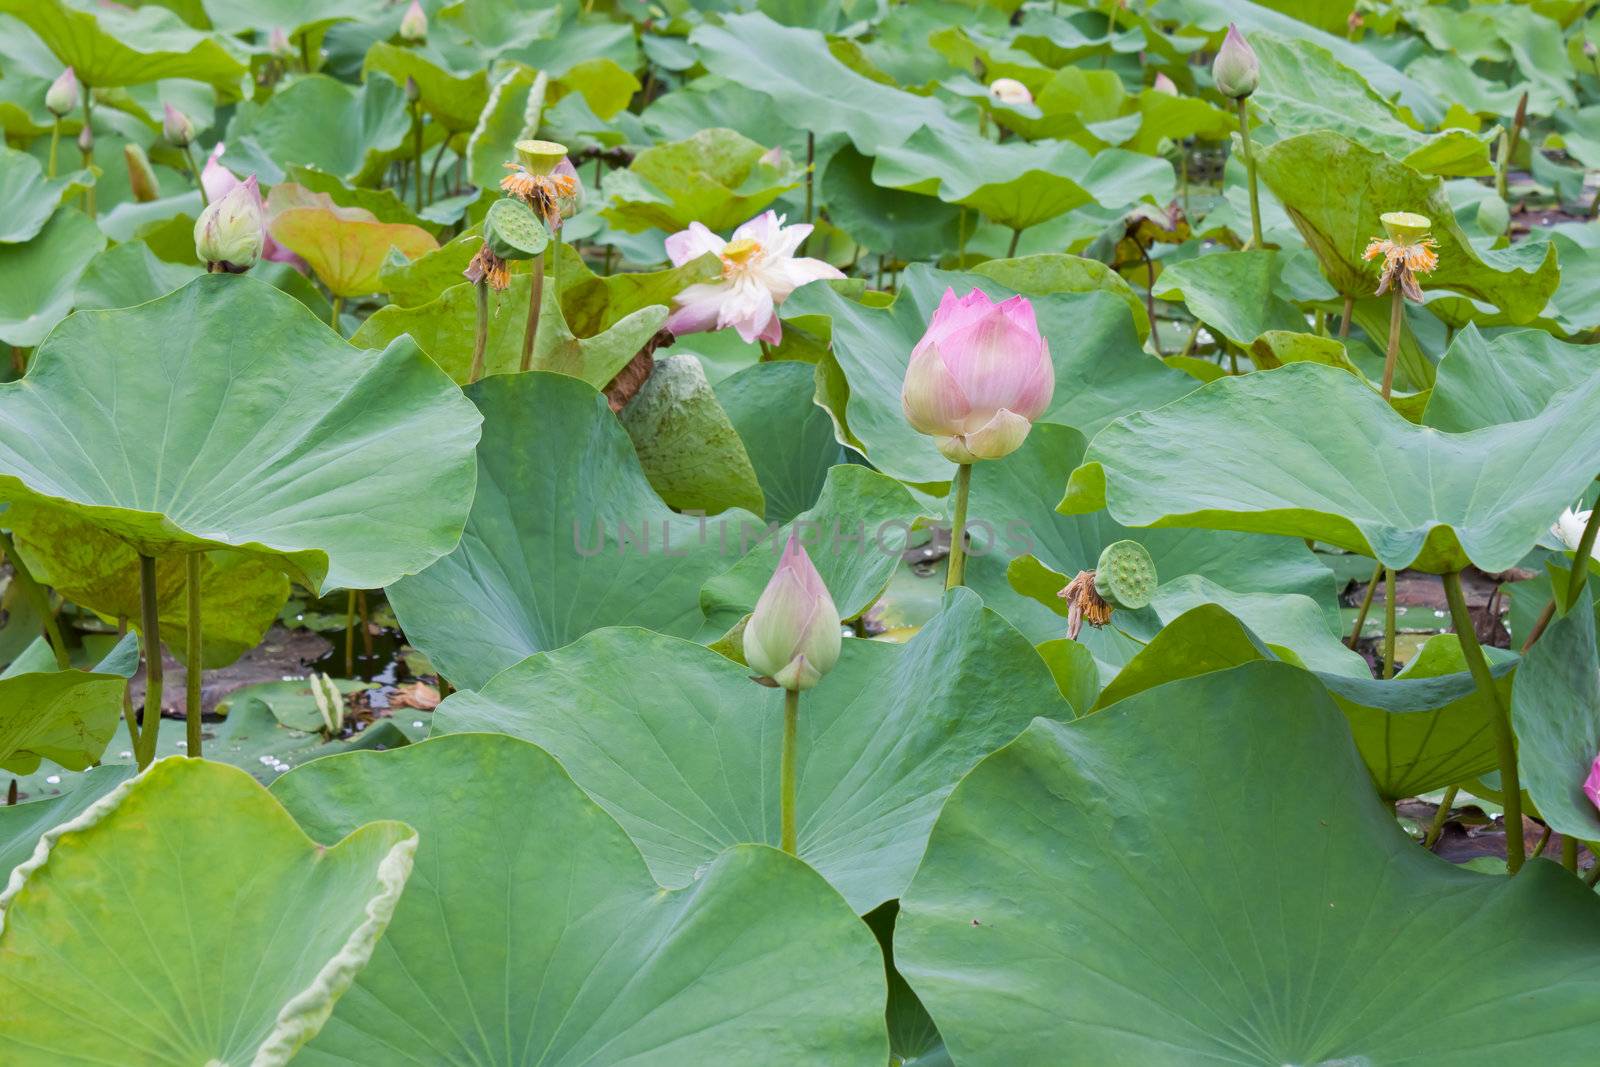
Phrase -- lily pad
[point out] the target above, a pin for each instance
(717, 177)
(63, 716)
(1553, 710)
(1237, 294)
(259, 933)
(321, 122)
(1288, 452)
(565, 536)
(788, 438)
(532, 922)
(455, 100)
(112, 46)
(1037, 922)
(27, 197)
(37, 277)
(688, 763)
(346, 247)
(351, 486)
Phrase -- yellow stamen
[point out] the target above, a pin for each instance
(738, 253)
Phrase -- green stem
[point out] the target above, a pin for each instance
(305, 51)
(88, 193)
(38, 598)
(1397, 318)
(480, 339)
(55, 142)
(1366, 605)
(786, 774)
(957, 571)
(1569, 853)
(416, 154)
(811, 157)
(1505, 740)
(1544, 839)
(1016, 235)
(350, 634)
(433, 171)
(150, 614)
(1250, 170)
(1345, 314)
(1440, 817)
(333, 315)
(193, 673)
(1388, 622)
(530, 333)
(188, 154)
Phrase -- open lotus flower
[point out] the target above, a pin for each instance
(1568, 529)
(1010, 92)
(793, 635)
(1236, 70)
(1591, 784)
(979, 377)
(759, 271)
(62, 96)
(218, 181)
(230, 233)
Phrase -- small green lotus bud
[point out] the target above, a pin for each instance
(413, 90)
(86, 141)
(1125, 576)
(230, 233)
(414, 24)
(1590, 49)
(62, 96)
(1236, 71)
(141, 178)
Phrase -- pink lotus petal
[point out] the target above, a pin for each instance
(784, 276)
(696, 241)
(699, 307)
(933, 401)
(1591, 785)
(763, 229)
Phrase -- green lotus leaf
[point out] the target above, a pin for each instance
(28, 198)
(1334, 189)
(887, 221)
(38, 276)
(1039, 921)
(446, 329)
(565, 536)
(1512, 376)
(1237, 294)
(593, 303)
(716, 177)
(128, 274)
(1052, 272)
(1552, 709)
(511, 114)
(688, 764)
(296, 18)
(409, 282)
(262, 933)
(64, 716)
(1306, 433)
(788, 438)
(854, 533)
(1100, 370)
(240, 594)
(324, 123)
(114, 46)
(275, 440)
(1304, 89)
(347, 253)
(532, 923)
(454, 100)
(688, 448)
(21, 825)
(384, 205)
(292, 702)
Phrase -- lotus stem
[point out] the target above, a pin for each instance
(305, 51)
(1250, 171)
(530, 333)
(957, 570)
(350, 634)
(88, 157)
(1366, 605)
(1575, 580)
(194, 672)
(416, 155)
(1440, 817)
(1344, 317)
(1569, 852)
(333, 314)
(1388, 622)
(786, 772)
(811, 157)
(1505, 740)
(1539, 845)
(188, 155)
(150, 614)
(433, 171)
(480, 339)
(1397, 318)
(39, 598)
(1016, 235)
(55, 142)
(366, 624)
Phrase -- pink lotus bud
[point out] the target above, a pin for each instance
(141, 176)
(414, 24)
(772, 157)
(979, 377)
(1010, 92)
(793, 636)
(1591, 784)
(278, 43)
(62, 96)
(230, 234)
(176, 127)
(1165, 84)
(1236, 71)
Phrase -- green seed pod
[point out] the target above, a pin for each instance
(1125, 576)
(540, 157)
(513, 231)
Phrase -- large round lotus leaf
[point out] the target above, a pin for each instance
(1553, 708)
(185, 918)
(347, 252)
(21, 825)
(515, 105)
(295, 18)
(1237, 294)
(593, 303)
(321, 122)
(1484, 381)
(271, 435)
(1334, 189)
(112, 46)
(886, 221)
(1201, 874)
(565, 536)
(716, 177)
(1309, 451)
(1100, 371)
(688, 763)
(65, 716)
(27, 197)
(37, 277)
(454, 100)
(788, 438)
(532, 932)
(128, 274)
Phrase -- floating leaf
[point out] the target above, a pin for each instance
(21, 825)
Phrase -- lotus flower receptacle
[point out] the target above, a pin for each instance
(512, 231)
(793, 636)
(1125, 576)
(540, 157)
(1405, 227)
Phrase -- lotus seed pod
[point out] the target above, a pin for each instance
(540, 157)
(176, 127)
(414, 24)
(141, 177)
(1405, 227)
(513, 231)
(62, 96)
(1236, 71)
(1125, 576)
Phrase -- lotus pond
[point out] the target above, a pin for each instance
(853, 532)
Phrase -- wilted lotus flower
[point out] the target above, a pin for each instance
(231, 233)
(793, 636)
(1236, 71)
(1407, 252)
(1591, 784)
(545, 179)
(1010, 92)
(759, 271)
(62, 96)
(141, 177)
(1165, 84)
(1568, 529)
(979, 376)
(176, 127)
(414, 24)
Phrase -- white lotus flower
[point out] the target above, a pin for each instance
(1010, 92)
(1568, 529)
(759, 271)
